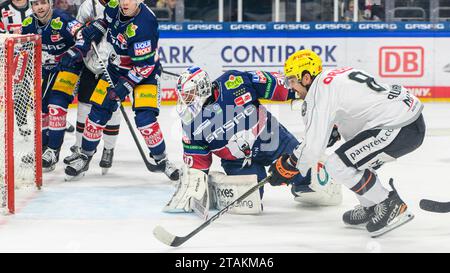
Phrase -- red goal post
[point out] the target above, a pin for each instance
(20, 116)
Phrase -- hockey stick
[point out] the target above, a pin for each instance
(149, 166)
(171, 240)
(434, 206)
(169, 73)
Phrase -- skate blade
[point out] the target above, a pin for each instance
(359, 227)
(403, 219)
(69, 178)
(105, 171)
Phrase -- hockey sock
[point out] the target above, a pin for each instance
(153, 138)
(91, 136)
(112, 131)
(82, 113)
(57, 126)
(45, 120)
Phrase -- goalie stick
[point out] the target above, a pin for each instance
(434, 206)
(171, 240)
(149, 166)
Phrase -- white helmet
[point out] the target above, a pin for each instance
(193, 89)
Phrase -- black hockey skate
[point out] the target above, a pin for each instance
(77, 167)
(358, 217)
(107, 160)
(75, 152)
(49, 159)
(165, 166)
(389, 214)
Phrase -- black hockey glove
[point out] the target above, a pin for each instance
(70, 58)
(335, 137)
(123, 88)
(283, 170)
(94, 31)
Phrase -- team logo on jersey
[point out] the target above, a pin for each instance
(113, 3)
(258, 77)
(55, 38)
(143, 48)
(243, 99)
(234, 82)
(304, 108)
(121, 39)
(27, 21)
(131, 30)
(56, 23)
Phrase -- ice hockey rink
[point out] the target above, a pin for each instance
(117, 212)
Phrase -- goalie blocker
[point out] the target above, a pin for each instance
(198, 192)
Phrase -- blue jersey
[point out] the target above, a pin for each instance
(232, 124)
(57, 35)
(135, 42)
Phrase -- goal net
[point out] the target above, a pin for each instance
(20, 116)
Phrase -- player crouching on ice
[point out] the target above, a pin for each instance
(134, 67)
(225, 118)
(379, 123)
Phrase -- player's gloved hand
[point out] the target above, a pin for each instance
(283, 170)
(123, 88)
(334, 137)
(70, 58)
(94, 31)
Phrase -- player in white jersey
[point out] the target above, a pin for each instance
(13, 12)
(379, 123)
(90, 76)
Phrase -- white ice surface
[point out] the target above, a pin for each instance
(117, 212)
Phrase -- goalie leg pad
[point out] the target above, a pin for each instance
(191, 194)
(225, 189)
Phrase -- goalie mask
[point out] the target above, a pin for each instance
(193, 89)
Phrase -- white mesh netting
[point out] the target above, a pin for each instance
(22, 65)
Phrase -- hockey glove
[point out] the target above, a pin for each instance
(94, 31)
(283, 170)
(70, 58)
(123, 88)
(334, 137)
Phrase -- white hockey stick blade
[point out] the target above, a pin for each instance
(163, 235)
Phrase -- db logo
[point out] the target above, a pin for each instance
(401, 61)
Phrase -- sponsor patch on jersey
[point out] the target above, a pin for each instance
(234, 82)
(143, 48)
(144, 71)
(27, 21)
(73, 26)
(55, 38)
(258, 77)
(56, 23)
(131, 30)
(243, 99)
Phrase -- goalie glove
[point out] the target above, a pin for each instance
(191, 193)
